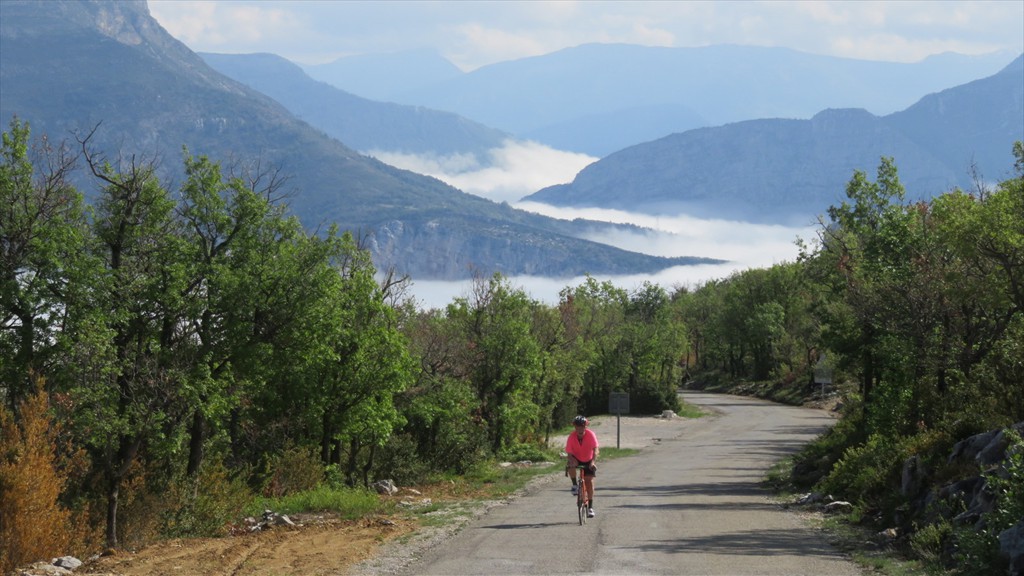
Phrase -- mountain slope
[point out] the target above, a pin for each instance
(360, 123)
(551, 97)
(788, 171)
(70, 66)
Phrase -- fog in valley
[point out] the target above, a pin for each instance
(521, 168)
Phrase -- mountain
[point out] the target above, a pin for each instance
(363, 124)
(570, 99)
(382, 76)
(788, 171)
(70, 68)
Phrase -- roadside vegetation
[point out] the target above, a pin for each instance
(916, 308)
(176, 360)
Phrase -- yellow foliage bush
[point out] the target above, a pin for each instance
(33, 524)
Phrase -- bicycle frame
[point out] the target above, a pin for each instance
(581, 496)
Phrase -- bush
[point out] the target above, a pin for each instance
(33, 524)
(399, 462)
(294, 470)
(869, 473)
(978, 550)
(931, 543)
(817, 459)
(521, 451)
(207, 505)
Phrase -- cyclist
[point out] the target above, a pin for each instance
(581, 448)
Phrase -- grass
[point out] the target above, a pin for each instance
(346, 503)
(853, 540)
(687, 410)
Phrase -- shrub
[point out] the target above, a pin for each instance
(929, 543)
(33, 524)
(978, 549)
(523, 451)
(869, 473)
(816, 460)
(293, 470)
(399, 462)
(207, 505)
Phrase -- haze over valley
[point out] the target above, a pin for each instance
(655, 160)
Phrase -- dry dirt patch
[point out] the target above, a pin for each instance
(315, 547)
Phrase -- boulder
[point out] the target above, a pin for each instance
(386, 487)
(69, 562)
(812, 498)
(995, 451)
(1011, 546)
(967, 449)
(913, 478)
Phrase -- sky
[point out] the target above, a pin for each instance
(475, 34)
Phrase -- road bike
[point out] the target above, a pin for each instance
(582, 502)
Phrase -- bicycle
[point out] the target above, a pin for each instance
(582, 503)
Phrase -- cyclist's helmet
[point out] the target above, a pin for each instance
(579, 421)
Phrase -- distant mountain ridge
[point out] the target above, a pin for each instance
(360, 123)
(74, 66)
(601, 98)
(787, 171)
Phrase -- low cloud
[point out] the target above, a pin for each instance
(518, 169)
(508, 173)
(743, 245)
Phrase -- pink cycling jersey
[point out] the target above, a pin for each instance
(582, 450)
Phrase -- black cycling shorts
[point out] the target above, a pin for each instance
(589, 471)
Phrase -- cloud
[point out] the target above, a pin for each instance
(227, 26)
(515, 170)
(483, 43)
(520, 168)
(474, 34)
(743, 244)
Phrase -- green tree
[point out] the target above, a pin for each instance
(653, 347)
(502, 355)
(43, 232)
(132, 378)
(596, 312)
(440, 408)
(861, 243)
(366, 366)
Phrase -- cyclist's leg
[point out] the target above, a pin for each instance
(588, 481)
(572, 469)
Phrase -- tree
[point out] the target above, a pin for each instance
(42, 240)
(653, 347)
(503, 357)
(132, 377)
(365, 366)
(860, 243)
(223, 221)
(596, 312)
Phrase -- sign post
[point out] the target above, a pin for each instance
(822, 374)
(618, 404)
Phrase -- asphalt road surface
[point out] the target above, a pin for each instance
(690, 503)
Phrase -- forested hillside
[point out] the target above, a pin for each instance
(171, 359)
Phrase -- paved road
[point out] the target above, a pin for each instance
(687, 504)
